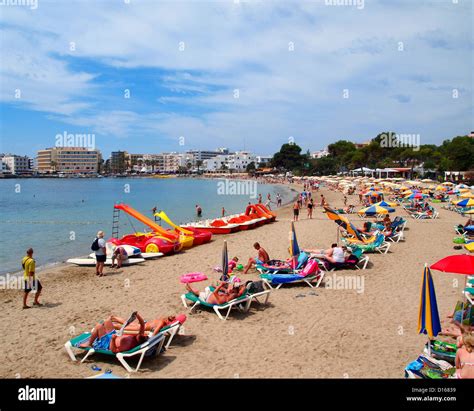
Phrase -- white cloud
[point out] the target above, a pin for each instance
(245, 46)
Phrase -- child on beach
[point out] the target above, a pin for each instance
(232, 264)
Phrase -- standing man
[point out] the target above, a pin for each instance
(98, 246)
(30, 282)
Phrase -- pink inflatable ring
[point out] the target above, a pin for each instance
(193, 278)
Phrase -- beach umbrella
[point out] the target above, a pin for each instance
(416, 196)
(441, 188)
(467, 202)
(294, 247)
(225, 263)
(462, 264)
(428, 315)
(374, 210)
(467, 195)
(469, 211)
(386, 204)
(456, 264)
(372, 193)
(447, 183)
(343, 222)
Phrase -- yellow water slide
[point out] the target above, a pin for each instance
(185, 236)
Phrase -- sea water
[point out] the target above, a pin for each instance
(59, 218)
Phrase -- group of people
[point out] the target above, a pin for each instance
(118, 335)
(306, 199)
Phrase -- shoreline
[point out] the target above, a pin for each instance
(43, 268)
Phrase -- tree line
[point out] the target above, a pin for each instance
(386, 150)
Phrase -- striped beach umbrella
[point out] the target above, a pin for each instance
(416, 196)
(374, 210)
(467, 202)
(386, 204)
(343, 222)
(428, 315)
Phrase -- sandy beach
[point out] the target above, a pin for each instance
(320, 333)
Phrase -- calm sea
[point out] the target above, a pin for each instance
(60, 217)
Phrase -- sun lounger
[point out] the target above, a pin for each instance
(379, 244)
(355, 261)
(242, 303)
(167, 332)
(309, 274)
(277, 280)
(469, 293)
(149, 348)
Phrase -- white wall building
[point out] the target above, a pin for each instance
(261, 161)
(14, 164)
(237, 161)
(320, 153)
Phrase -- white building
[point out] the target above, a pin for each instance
(320, 153)
(261, 161)
(237, 161)
(13, 164)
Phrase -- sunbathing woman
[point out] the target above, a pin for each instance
(104, 337)
(335, 254)
(224, 293)
(465, 356)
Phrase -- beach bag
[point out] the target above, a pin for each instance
(256, 287)
(311, 267)
(95, 245)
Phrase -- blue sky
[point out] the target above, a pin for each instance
(183, 61)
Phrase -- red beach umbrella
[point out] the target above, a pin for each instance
(456, 264)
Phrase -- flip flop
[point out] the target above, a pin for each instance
(25, 307)
(38, 304)
(96, 368)
(300, 296)
(108, 371)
